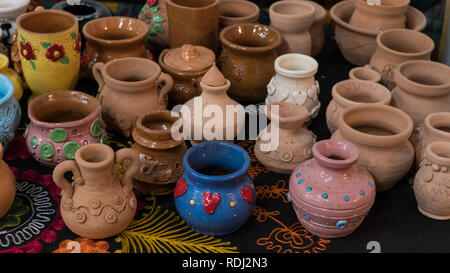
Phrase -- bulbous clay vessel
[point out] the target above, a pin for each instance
(295, 83)
(7, 186)
(247, 57)
(293, 19)
(154, 14)
(161, 155)
(353, 92)
(10, 112)
(381, 133)
(397, 46)
(387, 14)
(285, 142)
(97, 204)
(432, 182)
(130, 87)
(330, 193)
(365, 73)
(233, 12)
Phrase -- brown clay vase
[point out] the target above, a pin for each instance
(365, 73)
(97, 204)
(294, 141)
(353, 92)
(233, 12)
(7, 186)
(381, 133)
(161, 156)
(248, 54)
(128, 88)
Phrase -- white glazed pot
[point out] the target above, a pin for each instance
(9, 11)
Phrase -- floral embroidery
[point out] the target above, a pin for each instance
(12, 217)
(82, 245)
(26, 50)
(55, 52)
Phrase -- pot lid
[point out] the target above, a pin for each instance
(214, 77)
(189, 58)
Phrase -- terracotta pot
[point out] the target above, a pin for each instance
(293, 19)
(295, 83)
(381, 134)
(98, 204)
(330, 193)
(156, 18)
(386, 15)
(247, 57)
(7, 186)
(365, 73)
(353, 92)
(186, 65)
(397, 46)
(60, 123)
(130, 87)
(193, 22)
(161, 156)
(432, 182)
(358, 45)
(233, 12)
(294, 141)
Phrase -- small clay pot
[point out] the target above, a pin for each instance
(233, 12)
(432, 182)
(353, 92)
(365, 73)
(157, 20)
(381, 133)
(7, 186)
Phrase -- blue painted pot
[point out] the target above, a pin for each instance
(215, 204)
(9, 111)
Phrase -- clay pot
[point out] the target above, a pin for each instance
(161, 156)
(293, 19)
(388, 14)
(86, 11)
(285, 142)
(331, 194)
(381, 134)
(60, 123)
(186, 65)
(247, 57)
(358, 45)
(295, 83)
(193, 22)
(233, 12)
(353, 92)
(432, 182)
(10, 112)
(9, 11)
(97, 204)
(156, 18)
(7, 186)
(215, 195)
(12, 75)
(365, 73)
(130, 87)
(397, 46)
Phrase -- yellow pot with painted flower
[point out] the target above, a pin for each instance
(49, 45)
(12, 75)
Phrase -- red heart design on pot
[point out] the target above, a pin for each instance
(210, 201)
(180, 188)
(247, 194)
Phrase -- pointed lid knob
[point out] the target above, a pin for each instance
(189, 58)
(214, 77)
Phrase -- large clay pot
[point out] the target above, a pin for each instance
(97, 204)
(155, 17)
(215, 195)
(432, 182)
(247, 57)
(353, 92)
(130, 87)
(381, 133)
(294, 141)
(85, 11)
(331, 194)
(7, 186)
(365, 73)
(10, 112)
(9, 11)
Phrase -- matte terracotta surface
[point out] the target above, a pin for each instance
(7, 186)
(365, 73)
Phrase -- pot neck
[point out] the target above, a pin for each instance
(335, 154)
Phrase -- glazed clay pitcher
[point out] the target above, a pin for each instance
(130, 87)
(97, 204)
(7, 186)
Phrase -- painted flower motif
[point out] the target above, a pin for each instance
(26, 50)
(55, 52)
(85, 59)
(77, 44)
(151, 3)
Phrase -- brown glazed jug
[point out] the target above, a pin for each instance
(97, 204)
(130, 87)
(7, 186)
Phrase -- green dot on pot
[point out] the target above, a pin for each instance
(58, 135)
(70, 148)
(33, 142)
(96, 128)
(104, 139)
(47, 151)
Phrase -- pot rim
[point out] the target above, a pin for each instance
(405, 54)
(110, 155)
(252, 15)
(432, 149)
(337, 145)
(321, 12)
(430, 127)
(98, 7)
(48, 11)
(339, 98)
(19, 4)
(312, 9)
(300, 73)
(9, 85)
(353, 71)
(250, 49)
(215, 2)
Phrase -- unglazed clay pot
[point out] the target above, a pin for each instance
(60, 123)
(193, 22)
(154, 14)
(397, 46)
(365, 73)
(381, 133)
(352, 92)
(130, 87)
(161, 155)
(85, 11)
(12, 75)
(186, 65)
(331, 193)
(432, 182)
(10, 112)
(97, 204)
(387, 14)
(215, 195)
(358, 45)
(293, 19)
(9, 11)
(294, 82)
(247, 57)
(233, 12)
(7, 186)
(285, 142)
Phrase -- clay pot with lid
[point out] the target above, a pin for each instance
(365, 73)
(381, 133)
(233, 12)
(285, 142)
(161, 156)
(353, 92)
(186, 65)
(7, 186)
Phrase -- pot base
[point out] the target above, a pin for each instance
(433, 216)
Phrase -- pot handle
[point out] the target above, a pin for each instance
(61, 182)
(167, 82)
(127, 153)
(97, 71)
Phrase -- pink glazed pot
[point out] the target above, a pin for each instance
(330, 193)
